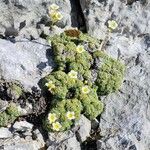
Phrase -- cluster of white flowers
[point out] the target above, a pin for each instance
(54, 14)
(56, 126)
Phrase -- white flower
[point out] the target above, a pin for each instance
(70, 115)
(59, 16)
(73, 74)
(55, 16)
(52, 117)
(85, 89)
(80, 48)
(56, 126)
(50, 85)
(54, 7)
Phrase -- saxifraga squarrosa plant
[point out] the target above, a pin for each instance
(71, 86)
(70, 53)
(70, 95)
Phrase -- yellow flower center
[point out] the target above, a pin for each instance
(80, 49)
(59, 16)
(56, 126)
(52, 14)
(50, 85)
(70, 115)
(85, 90)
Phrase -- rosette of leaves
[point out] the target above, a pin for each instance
(9, 115)
(110, 73)
(66, 56)
(65, 87)
(60, 109)
(76, 54)
(92, 106)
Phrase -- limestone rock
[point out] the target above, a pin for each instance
(97, 13)
(3, 105)
(5, 133)
(30, 145)
(84, 129)
(124, 123)
(24, 16)
(22, 126)
(63, 141)
(25, 61)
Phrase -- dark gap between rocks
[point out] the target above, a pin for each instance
(89, 145)
(77, 16)
(130, 2)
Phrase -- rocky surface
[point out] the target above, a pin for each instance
(84, 129)
(22, 126)
(125, 121)
(25, 61)
(133, 19)
(5, 133)
(3, 105)
(27, 18)
(60, 141)
(21, 136)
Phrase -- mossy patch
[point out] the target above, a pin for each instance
(15, 91)
(92, 106)
(9, 115)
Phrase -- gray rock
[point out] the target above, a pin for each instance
(33, 145)
(84, 129)
(38, 137)
(26, 110)
(54, 30)
(125, 122)
(30, 32)
(25, 61)
(24, 16)
(94, 124)
(27, 134)
(22, 126)
(5, 133)
(18, 141)
(3, 105)
(63, 141)
(97, 13)
(100, 145)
